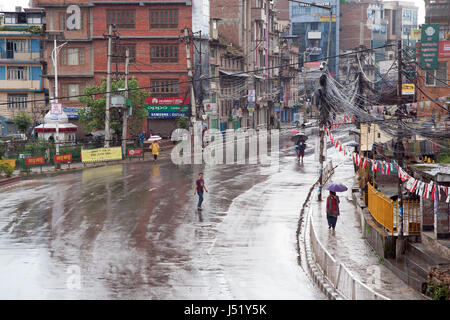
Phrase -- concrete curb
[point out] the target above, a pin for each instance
(9, 181)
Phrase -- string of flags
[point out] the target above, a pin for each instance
(410, 107)
(429, 190)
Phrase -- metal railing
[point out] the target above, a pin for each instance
(381, 208)
(385, 211)
(338, 274)
(411, 217)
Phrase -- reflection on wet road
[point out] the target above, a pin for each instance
(132, 232)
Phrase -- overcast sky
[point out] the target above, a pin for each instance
(10, 4)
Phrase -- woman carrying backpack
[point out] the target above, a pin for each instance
(332, 209)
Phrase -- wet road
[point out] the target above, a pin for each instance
(132, 232)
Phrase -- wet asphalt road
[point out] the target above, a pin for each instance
(133, 232)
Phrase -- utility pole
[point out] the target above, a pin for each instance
(400, 241)
(267, 57)
(125, 108)
(55, 53)
(108, 89)
(304, 84)
(191, 77)
(249, 56)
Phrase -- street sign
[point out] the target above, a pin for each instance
(408, 89)
(429, 47)
(117, 101)
(135, 152)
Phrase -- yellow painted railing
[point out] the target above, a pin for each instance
(381, 208)
(385, 212)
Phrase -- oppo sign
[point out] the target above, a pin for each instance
(73, 17)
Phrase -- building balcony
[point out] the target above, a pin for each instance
(16, 85)
(20, 57)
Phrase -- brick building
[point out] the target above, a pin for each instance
(76, 56)
(157, 57)
(435, 82)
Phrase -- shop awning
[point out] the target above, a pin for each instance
(234, 74)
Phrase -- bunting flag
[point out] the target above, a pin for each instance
(425, 191)
(365, 163)
(388, 169)
(340, 147)
(433, 193)
(422, 188)
(413, 186)
(382, 166)
(359, 161)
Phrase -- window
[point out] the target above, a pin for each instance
(163, 19)
(16, 45)
(213, 74)
(438, 77)
(123, 19)
(73, 57)
(63, 20)
(34, 19)
(17, 73)
(213, 52)
(70, 91)
(164, 53)
(164, 88)
(121, 53)
(17, 101)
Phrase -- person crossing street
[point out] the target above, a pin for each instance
(199, 187)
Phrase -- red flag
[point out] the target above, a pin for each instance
(365, 163)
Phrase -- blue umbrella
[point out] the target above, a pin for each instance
(335, 187)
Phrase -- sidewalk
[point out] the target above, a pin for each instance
(347, 245)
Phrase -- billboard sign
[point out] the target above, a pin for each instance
(166, 107)
(408, 89)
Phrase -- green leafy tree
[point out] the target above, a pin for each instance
(183, 122)
(93, 117)
(23, 121)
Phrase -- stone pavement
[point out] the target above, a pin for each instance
(347, 245)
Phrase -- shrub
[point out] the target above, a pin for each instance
(7, 169)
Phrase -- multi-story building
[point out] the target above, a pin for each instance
(228, 83)
(158, 60)
(289, 79)
(75, 57)
(435, 82)
(149, 30)
(311, 25)
(251, 26)
(21, 86)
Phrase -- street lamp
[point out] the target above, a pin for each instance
(55, 53)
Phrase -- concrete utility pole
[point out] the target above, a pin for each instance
(190, 74)
(125, 108)
(55, 53)
(304, 84)
(250, 55)
(267, 58)
(400, 241)
(108, 89)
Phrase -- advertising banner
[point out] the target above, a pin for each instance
(101, 154)
(62, 158)
(166, 107)
(429, 46)
(135, 152)
(34, 161)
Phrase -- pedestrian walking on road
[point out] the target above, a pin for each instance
(155, 150)
(332, 209)
(199, 187)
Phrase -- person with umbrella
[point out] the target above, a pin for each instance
(155, 149)
(332, 207)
